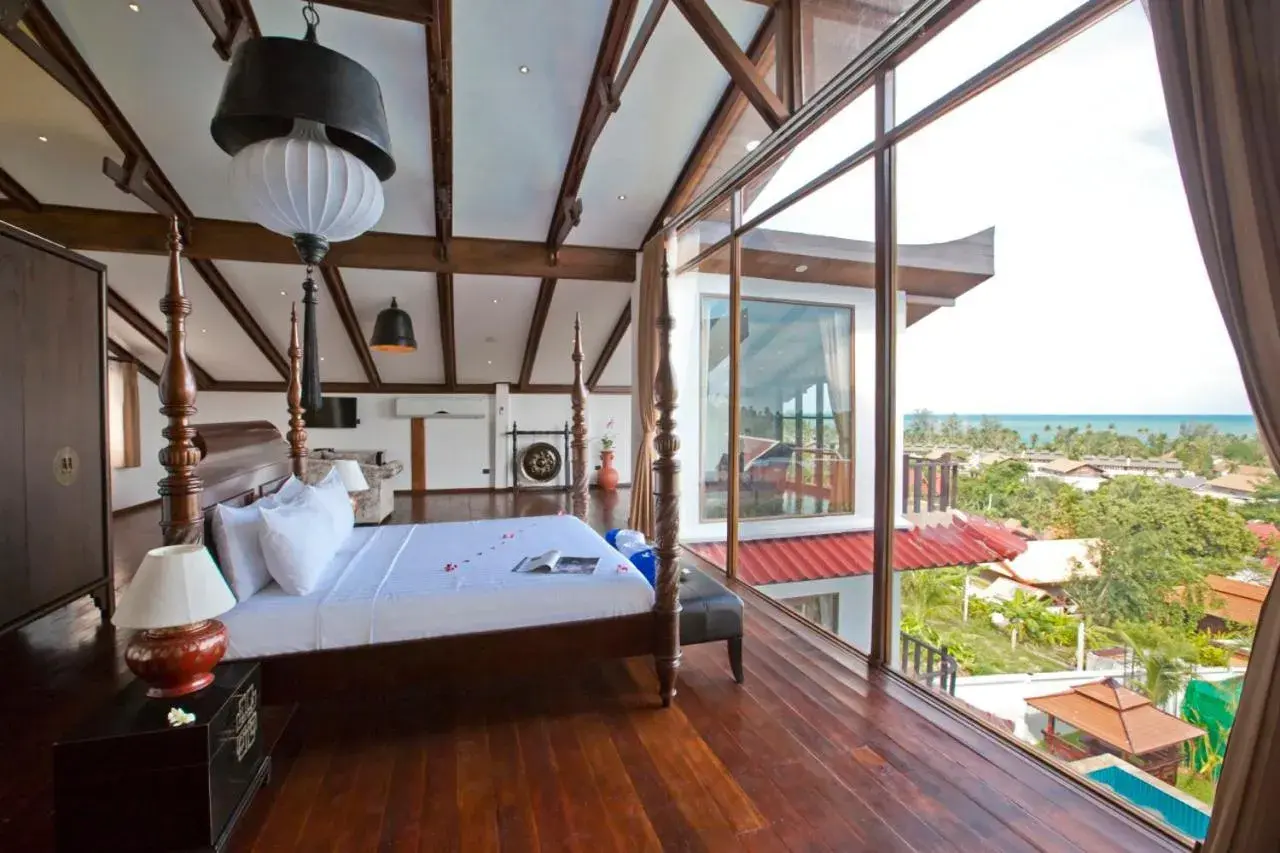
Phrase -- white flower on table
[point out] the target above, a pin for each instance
(178, 717)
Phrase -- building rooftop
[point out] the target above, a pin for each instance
(965, 541)
(1050, 562)
(1117, 716)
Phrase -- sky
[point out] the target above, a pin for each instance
(1100, 302)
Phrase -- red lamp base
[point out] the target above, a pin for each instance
(177, 661)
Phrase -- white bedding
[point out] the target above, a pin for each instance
(408, 582)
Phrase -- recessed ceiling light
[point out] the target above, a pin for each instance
(495, 302)
(753, 144)
(802, 268)
(491, 362)
(134, 7)
(322, 358)
(622, 197)
(282, 293)
(202, 331)
(43, 138)
(524, 69)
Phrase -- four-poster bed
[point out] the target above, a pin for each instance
(202, 473)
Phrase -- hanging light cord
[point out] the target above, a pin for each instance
(312, 17)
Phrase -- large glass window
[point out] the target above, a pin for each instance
(796, 436)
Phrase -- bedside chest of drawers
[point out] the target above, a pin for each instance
(126, 780)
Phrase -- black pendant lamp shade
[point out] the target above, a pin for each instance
(393, 331)
(274, 80)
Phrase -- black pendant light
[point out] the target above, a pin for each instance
(307, 133)
(393, 331)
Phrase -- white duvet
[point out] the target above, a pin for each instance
(408, 582)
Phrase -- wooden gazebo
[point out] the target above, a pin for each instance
(1113, 719)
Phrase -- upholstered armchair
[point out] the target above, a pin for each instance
(373, 505)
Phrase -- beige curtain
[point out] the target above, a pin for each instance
(132, 429)
(646, 334)
(1220, 66)
(124, 433)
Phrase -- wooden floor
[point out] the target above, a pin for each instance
(813, 753)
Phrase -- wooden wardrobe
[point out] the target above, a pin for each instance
(54, 468)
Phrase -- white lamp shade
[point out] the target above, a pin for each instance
(352, 477)
(304, 184)
(175, 585)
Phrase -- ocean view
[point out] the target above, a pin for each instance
(1124, 424)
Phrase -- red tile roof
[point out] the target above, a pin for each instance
(967, 541)
(1265, 531)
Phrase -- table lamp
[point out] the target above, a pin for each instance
(172, 601)
(352, 478)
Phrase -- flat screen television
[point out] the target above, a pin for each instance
(334, 413)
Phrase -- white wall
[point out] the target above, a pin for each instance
(458, 451)
(853, 609)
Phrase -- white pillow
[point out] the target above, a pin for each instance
(337, 501)
(236, 536)
(299, 540)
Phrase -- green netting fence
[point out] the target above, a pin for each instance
(1212, 707)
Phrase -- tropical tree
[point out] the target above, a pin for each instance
(1164, 656)
(928, 595)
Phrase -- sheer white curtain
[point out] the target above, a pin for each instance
(834, 330)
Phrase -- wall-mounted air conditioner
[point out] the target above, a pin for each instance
(465, 408)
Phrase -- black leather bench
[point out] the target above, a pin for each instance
(710, 613)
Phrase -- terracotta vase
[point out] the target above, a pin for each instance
(607, 479)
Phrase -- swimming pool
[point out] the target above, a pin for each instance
(1190, 820)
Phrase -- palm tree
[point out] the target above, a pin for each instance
(1035, 439)
(1163, 656)
(927, 594)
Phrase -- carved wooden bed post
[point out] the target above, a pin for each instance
(578, 395)
(180, 517)
(666, 468)
(297, 435)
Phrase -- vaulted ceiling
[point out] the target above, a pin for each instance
(537, 143)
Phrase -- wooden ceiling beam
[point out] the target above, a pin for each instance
(602, 100)
(230, 21)
(742, 70)
(220, 239)
(715, 133)
(139, 175)
(144, 327)
(404, 10)
(226, 294)
(439, 46)
(350, 322)
(448, 344)
(615, 337)
(118, 351)
(638, 44)
(18, 193)
(414, 388)
(546, 292)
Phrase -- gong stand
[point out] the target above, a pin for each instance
(565, 467)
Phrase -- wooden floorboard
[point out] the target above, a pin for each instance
(814, 754)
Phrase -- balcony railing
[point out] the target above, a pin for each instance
(929, 485)
(933, 666)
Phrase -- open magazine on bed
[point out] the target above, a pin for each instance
(555, 563)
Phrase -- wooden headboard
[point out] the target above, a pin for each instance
(240, 461)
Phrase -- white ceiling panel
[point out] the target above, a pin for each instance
(138, 346)
(665, 106)
(619, 370)
(371, 291)
(67, 168)
(600, 303)
(214, 339)
(491, 324)
(268, 290)
(170, 109)
(513, 131)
